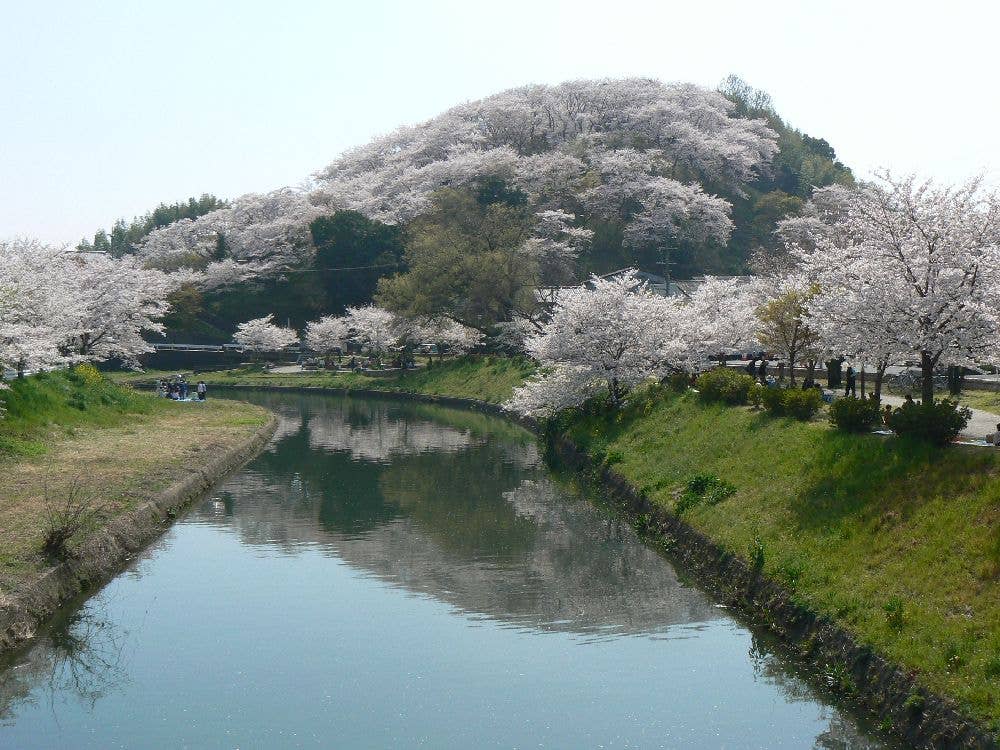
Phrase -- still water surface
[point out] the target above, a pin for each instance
(400, 575)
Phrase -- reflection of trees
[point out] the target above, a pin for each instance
(451, 509)
(471, 518)
(80, 657)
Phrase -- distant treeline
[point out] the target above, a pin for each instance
(124, 236)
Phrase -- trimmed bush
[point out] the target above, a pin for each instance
(938, 423)
(725, 384)
(855, 414)
(791, 402)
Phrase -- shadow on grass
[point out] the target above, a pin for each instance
(865, 477)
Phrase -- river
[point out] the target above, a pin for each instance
(392, 574)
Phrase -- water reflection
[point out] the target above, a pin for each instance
(450, 507)
(80, 657)
(434, 500)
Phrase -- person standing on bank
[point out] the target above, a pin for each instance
(851, 386)
(202, 390)
(762, 371)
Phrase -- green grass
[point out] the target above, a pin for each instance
(489, 379)
(898, 541)
(985, 400)
(76, 428)
(41, 407)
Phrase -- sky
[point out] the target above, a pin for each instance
(109, 108)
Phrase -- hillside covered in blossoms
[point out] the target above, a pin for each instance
(581, 177)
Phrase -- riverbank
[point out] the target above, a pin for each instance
(488, 379)
(896, 542)
(108, 466)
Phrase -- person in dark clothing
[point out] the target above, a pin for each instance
(751, 367)
(781, 372)
(851, 387)
(762, 372)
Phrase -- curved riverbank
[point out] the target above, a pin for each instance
(849, 668)
(848, 665)
(34, 595)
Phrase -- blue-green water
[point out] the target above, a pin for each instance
(397, 575)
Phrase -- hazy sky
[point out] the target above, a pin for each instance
(108, 108)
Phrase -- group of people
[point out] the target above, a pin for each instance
(760, 372)
(178, 389)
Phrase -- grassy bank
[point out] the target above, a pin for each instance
(489, 379)
(117, 448)
(897, 541)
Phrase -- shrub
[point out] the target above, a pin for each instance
(855, 414)
(938, 422)
(67, 515)
(756, 395)
(679, 381)
(725, 384)
(706, 488)
(86, 374)
(791, 402)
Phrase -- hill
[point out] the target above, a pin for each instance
(592, 176)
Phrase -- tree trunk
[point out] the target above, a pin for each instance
(810, 374)
(879, 374)
(927, 377)
(862, 380)
(20, 368)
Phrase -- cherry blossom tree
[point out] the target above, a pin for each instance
(635, 149)
(857, 323)
(720, 315)
(928, 258)
(555, 245)
(38, 305)
(262, 335)
(256, 235)
(448, 336)
(373, 328)
(607, 337)
(327, 336)
(118, 300)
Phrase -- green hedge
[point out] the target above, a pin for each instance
(855, 414)
(792, 402)
(725, 384)
(939, 422)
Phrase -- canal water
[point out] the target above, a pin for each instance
(394, 575)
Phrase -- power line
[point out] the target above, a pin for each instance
(342, 268)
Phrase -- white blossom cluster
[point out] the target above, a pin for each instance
(376, 331)
(635, 150)
(890, 272)
(59, 306)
